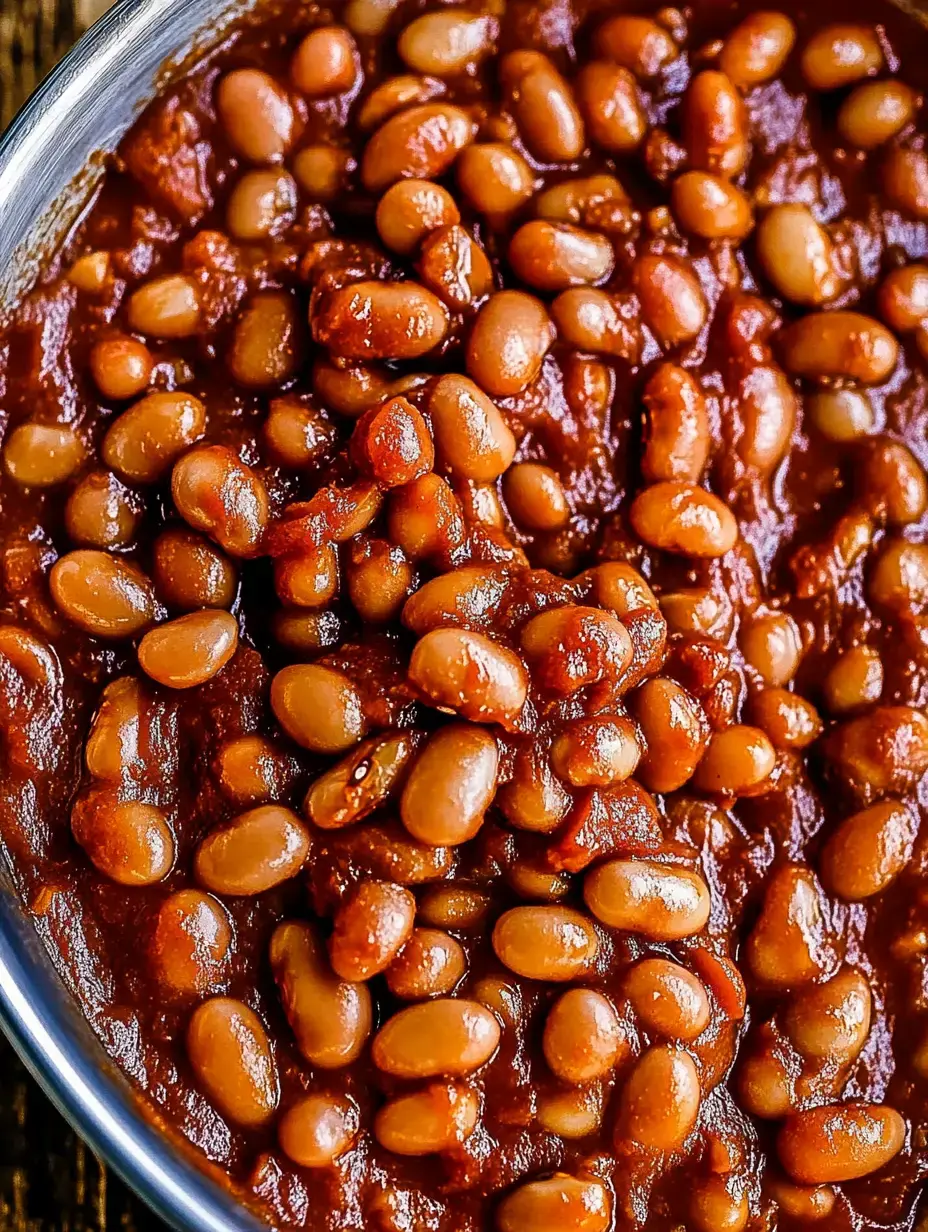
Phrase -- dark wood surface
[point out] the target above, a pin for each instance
(49, 1180)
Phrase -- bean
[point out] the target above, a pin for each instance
(494, 178)
(392, 95)
(672, 302)
(443, 44)
(583, 1038)
(797, 255)
(438, 1118)
(637, 43)
(191, 943)
(216, 493)
(571, 1112)
(318, 707)
(839, 1143)
(905, 179)
(675, 733)
(839, 344)
(42, 455)
(262, 206)
(101, 513)
(451, 785)
(113, 743)
(668, 999)
(682, 518)
(899, 578)
(553, 256)
(533, 799)
(597, 198)
(190, 650)
(710, 207)
(608, 98)
(121, 366)
(145, 441)
(256, 851)
(508, 342)
(640, 896)
(380, 320)
(543, 106)
(361, 782)
(256, 114)
(419, 143)
(90, 272)
(715, 129)
(535, 496)
(545, 943)
(713, 1207)
(231, 1055)
(409, 210)
(677, 440)
(391, 443)
(325, 62)
(323, 171)
(570, 647)
(430, 964)
(868, 850)
(166, 307)
(266, 347)
(831, 1021)
(840, 55)
(903, 297)
(470, 674)
(855, 680)
(735, 761)
(252, 770)
(554, 1204)
(891, 481)
(446, 1037)
(370, 928)
(785, 946)
(592, 320)
(191, 573)
(103, 595)
(875, 112)
(789, 721)
(369, 17)
(455, 267)
(596, 752)
(881, 751)
(619, 588)
(804, 1203)
(841, 414)
(471, 437)
(318, 1129)
(659, 1104)
(454, 906)
(424, 518)
(128, 841)
(757, 48)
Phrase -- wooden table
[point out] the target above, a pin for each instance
(49, 1180)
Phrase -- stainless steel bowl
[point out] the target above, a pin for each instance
(83, 107)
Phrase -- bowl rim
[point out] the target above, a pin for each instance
(38, 1014)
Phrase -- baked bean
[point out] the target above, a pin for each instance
(583, 1039)
(305, 632)
(419, 143)
(839, 344)
(592, 320)
(839, 1143)
(128, 841)
(121, 366)
(330, 1018)
(557, 1203)
(533, 799)
(682, 518)
(265, 349)
(620, 588)
(608, 98)
(381, 320)
(570, 647)
(146, 440)
(392, 444)
(535, 496)
(90, 272)
(322, 171)
(868, 850)
(903, 297)
(840, 55)
(672, 302)
(509, 340)
(471, 436)
(448, 42)
(262, 206)
(533, 879)
(841, 414)
(543, 106)
(545, 943)
(660, 902)
(102, 594)
(256, 114)
(802, 1202)
(166, 307)
(438, 1118)
(880, 751)
(101, 513)
(392, 95)
(409, 210)
(710, 207)
(668, 999)
(455, 267)
(379, 580)
(571, 1112)
(424, 518)
(470, 674)
(785, 946)
(317, 1129)
(256, 851)
(675, 733)
(233, 1061)
(637, 43)
(191, 943)
(771, 644)
(450, 785)
(430, 964)
(369, 17)
(361, 782)
(325, 62)
(854, 681)
(448, 1036)
(757, 48)
(715, 130)
(905, 179)
(252, 770)
(718, 1203)
(191, 573)
(370, 928)
(297, 432)
(789, 721)
(891, 481)
(676, 445)
(494, 178)
(190, 650)
(454, 906)
(218, 494)
(831, 1021)
(462, 598)
(797, 255)
(659, 1104)
(768, 408)
(875, 112)
(899, 578)
(42, 455)
(112, 746)
(596, 752)
(553, 256)
(318, 707)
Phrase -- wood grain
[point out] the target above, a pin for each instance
(49, 1180)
